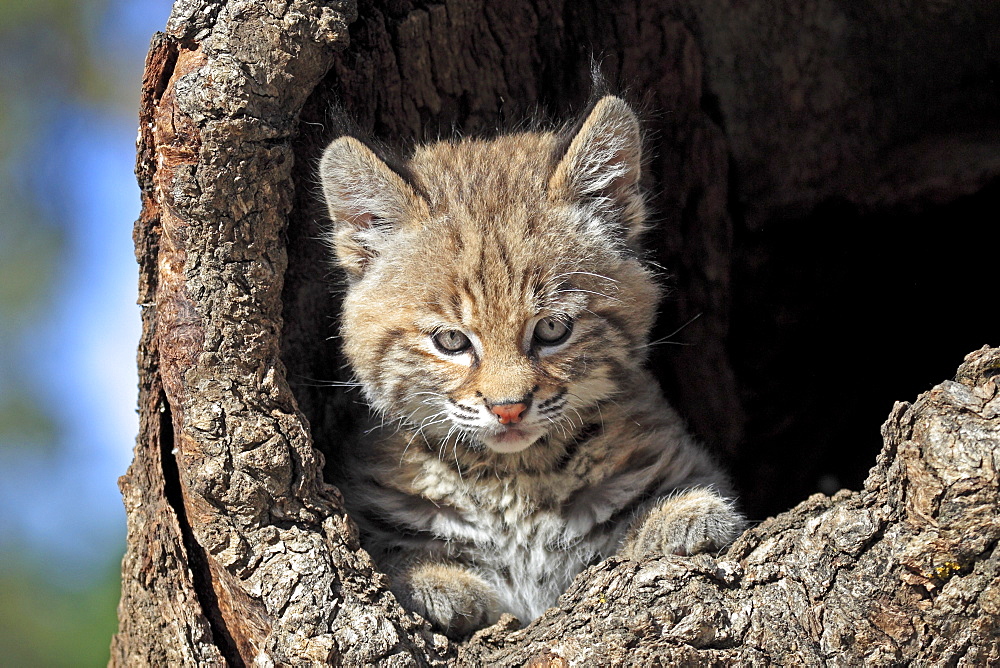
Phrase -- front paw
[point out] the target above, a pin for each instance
(696, 521)
(454, 599)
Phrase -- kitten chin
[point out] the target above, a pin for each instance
(512, 439)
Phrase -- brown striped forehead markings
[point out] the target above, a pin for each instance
(484, 279)
(487, 303)
(496, 247)
(500, 181)
(458, 170)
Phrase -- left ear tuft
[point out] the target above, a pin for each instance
(603, 164)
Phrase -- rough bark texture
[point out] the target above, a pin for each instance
(239, 553)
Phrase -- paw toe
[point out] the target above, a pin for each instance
(690, 523)
(455, 600)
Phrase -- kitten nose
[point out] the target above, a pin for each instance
(508, 413)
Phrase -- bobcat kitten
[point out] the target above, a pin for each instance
(497, 317)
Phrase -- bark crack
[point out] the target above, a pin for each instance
(197, 560)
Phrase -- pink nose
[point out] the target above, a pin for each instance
(508, 413)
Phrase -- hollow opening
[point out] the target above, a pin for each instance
(837, 316)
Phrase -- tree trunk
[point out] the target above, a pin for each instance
(757, 113)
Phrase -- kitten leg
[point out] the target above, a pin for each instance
(695, 521)
(453, 598)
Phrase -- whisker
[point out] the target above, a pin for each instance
(591, 292)
(664, 339)
(458, 465)
(586, 273)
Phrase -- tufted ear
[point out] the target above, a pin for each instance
(602, 166)
(367, 201)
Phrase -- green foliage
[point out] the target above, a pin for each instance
(46, 623)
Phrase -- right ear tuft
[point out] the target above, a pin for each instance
(603, 164)
(367, 201)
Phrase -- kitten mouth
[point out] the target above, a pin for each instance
(511, 438)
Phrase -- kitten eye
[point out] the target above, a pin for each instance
(552, 331)
(452, 342)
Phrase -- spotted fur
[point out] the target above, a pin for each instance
(497, 317)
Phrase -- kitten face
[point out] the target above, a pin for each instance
(497, 352)
(493, 302)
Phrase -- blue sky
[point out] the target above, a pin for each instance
(75, 349)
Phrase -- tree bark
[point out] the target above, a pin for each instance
(239, 553)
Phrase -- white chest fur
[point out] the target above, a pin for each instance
(515, 532)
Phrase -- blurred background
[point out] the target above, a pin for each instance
(70, 73)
